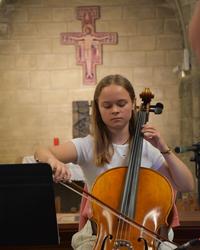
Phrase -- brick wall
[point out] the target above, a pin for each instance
(39, 77)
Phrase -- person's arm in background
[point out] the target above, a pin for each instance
(194, 31)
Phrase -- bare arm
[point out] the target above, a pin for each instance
(194, 30)
(56, 157)
(173, 168)
(177, 173)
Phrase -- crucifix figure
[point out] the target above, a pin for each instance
(88, 42)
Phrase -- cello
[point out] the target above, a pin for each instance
(137, 193)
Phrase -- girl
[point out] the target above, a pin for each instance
(108, 146)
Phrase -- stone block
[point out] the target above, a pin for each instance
(128, 58)
(54, 96)
(169, 42)
(150, 27)
(25, 62)
(8, 46)
(52, 61)
(4, 28)
(13, 80)
(143, 75)
(171, 26)
(40, 14)
(136, 12)
(63, 14)
(142, 43)
(24, 29)
(7, 62)
(64, 79)
(41, 46)
(50, 29)
(156, 58)
(40, 79)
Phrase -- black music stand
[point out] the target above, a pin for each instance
(196, 159)
(27, 205)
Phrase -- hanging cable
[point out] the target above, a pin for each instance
(186, 51)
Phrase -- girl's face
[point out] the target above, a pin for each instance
(115, 106)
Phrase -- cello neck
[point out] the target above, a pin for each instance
(134, 163)
(135, 155)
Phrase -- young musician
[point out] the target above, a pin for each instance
(113, 119)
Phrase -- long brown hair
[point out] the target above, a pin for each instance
(103, 149)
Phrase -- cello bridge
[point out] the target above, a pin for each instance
(122, 243)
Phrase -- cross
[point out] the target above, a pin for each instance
(88, 42)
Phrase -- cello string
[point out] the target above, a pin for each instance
(90, 197)
(134, 166)
(135, 170)
(128, 183)
(130, 176)
(133, 176)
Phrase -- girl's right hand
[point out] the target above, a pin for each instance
(60, 170)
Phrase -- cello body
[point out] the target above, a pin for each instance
(154, 202)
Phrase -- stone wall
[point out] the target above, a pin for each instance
(39, 78)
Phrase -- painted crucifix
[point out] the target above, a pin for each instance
(88, 42)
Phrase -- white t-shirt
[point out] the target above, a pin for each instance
(151, 158)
